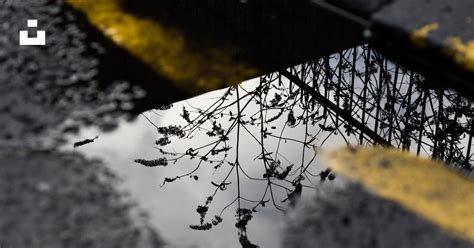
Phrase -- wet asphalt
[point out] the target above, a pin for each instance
(52, 88)
(47, 92)
(78, 79)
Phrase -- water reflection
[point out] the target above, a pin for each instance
(247, 153)
(251, 147)
(172, 208)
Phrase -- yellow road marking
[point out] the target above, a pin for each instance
(165, 49)
(419, 36)
(463, 53)
(424, 186)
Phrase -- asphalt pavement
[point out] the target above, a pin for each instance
(50, 198)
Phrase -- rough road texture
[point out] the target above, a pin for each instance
(53, 200)
(60, 86)
(347, 216)
(47, 198)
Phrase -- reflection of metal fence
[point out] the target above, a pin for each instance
(377, 101)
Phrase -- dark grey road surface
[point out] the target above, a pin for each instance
(47, 198)
(393, 23)
(347, 215)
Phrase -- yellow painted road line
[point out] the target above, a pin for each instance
(425, 187)
(463, 53)
(165, 49)
(420, 36)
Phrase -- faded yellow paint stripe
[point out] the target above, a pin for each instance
(426, 187)
(164, 49)
(463, 53)
(420, 36)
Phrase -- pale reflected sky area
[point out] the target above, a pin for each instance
(172, 207)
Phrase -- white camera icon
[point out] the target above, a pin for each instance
(38, 40)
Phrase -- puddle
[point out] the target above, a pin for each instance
(221, 134)
(97, 89)
(172, 207)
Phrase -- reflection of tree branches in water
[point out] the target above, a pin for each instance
(372, 100)
(387, 104)
(258, 125)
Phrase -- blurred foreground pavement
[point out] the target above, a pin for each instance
(49, 198)
(385, 198)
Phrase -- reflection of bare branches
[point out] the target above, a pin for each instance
(356, 96)
(391, 104)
